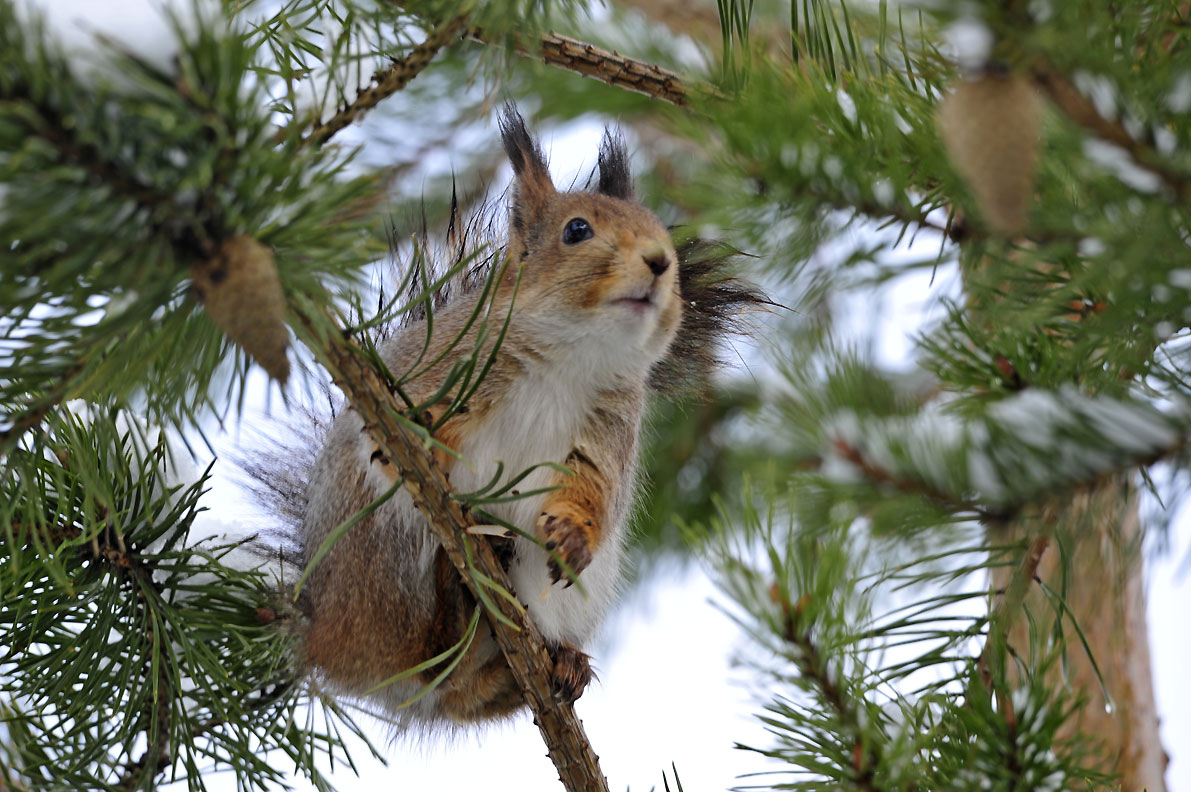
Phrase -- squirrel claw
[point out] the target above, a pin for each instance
(572, 673)
(567, 535)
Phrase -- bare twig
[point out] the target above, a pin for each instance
(607, 66)
(523, 646)
(388, 82)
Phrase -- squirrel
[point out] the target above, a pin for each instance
(606, 310)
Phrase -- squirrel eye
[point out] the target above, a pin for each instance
(577, 230)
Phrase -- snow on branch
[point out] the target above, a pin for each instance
(1020, 449)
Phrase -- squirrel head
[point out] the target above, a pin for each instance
(594, 264)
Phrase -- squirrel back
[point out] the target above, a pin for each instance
(596, 296)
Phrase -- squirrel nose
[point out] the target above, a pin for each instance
(657, 263)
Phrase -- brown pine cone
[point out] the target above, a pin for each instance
(990, 128)
(240, 289)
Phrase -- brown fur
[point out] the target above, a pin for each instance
(386, 598)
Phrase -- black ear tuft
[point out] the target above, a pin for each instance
(532, 189)
(523, 151)
(615, 179)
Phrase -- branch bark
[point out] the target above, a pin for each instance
(523, 646)
(388, 82)
(604, 65)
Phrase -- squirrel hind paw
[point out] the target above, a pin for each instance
(572, 672)
(505, 549)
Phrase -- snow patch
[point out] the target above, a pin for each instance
(1101, 92)
(1117, 161)
(847, 105)
(970, 41)
(1179, 98)
(88, 31)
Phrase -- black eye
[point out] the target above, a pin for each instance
(576, 231)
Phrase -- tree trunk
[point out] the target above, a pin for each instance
(1094, 561)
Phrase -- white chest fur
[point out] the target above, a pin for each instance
(539, 423)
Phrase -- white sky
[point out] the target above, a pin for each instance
(668, 691)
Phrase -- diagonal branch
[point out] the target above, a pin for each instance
(523, 647)
(555, 49)
(610, 67)
(388, 82)
(1067, 98)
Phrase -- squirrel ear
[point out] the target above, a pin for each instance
(615, 179)
(532, 188)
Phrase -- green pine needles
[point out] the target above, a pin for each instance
(933, 568)
(134, 652)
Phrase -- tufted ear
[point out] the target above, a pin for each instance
(532, 189)
(615, 179)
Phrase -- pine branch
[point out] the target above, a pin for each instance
(1080, 109)
(879, 475)
(388, 82)
(1004, 510)
(265, 699)
(866, 757)
(523, 646)
(157, 756)
(65, 136)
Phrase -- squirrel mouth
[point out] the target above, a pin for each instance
(638, 303)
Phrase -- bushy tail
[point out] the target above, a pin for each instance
(714, 301)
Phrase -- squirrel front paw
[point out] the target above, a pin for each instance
(569, 532)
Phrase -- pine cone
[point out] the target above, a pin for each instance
(990, 129)
(240, 289)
